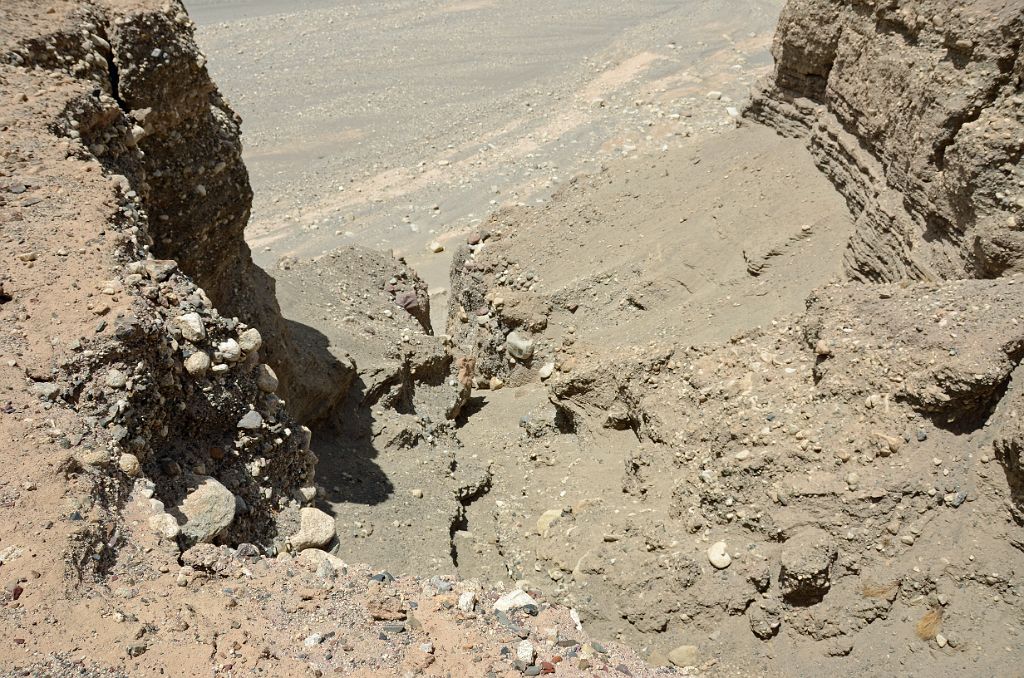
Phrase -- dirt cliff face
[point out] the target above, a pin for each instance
(163, 385)
(914, 110)
(177, 142)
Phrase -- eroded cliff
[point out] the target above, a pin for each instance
(134, 158)
(915, 111)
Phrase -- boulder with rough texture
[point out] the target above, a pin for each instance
(266, 379)
(208, 510)
(316, 557)
(198, 364)
(165, 525)
(519, 346)
(192, 327)
(316, 530)
(250, 340)
(251, 420)
(514, 600)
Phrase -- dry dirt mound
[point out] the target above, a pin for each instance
(818, 485)
(824, 483)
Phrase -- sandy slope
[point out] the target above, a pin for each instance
(388, 124)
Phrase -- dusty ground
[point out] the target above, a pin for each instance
(435, 114)
(586, 248)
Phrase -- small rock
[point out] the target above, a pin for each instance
(251, 420)
(684, 655)
(10, 553)
(160, 269)
(198, 364)
(136, 649)
(45, 390)
(129, 463)
(807, 559)
(317, 557)
(418, 493)
(230, 350)
(436, 585)
(617, 417)
(467, 601)
(313, 640)
(719, 556)
(266, 379)
(408, 300)
(208, 510)
(250, 340)
(525, 652)
(435, 247)
(116, 379)
(165, 525)
(192, 328)
(546, 371)
(316, 529)
(765, 619)
(519, 346)
(514, 600)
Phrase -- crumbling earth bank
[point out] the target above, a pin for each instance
(915, 110)
(166, 387)
(819, 487)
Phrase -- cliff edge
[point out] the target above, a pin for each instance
(915, 111)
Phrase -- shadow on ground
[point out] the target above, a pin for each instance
(344, 445)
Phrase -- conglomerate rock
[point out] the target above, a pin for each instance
(165, 377)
